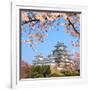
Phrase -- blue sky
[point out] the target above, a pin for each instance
(47, 46)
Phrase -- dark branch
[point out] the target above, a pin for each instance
(31, 20)
(70, 23)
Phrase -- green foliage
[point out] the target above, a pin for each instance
(40, 71)
(45, 71)
(72, 73)
(35, 75)
(66, 73)
(58, 75)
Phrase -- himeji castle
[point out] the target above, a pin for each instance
(58, 56)
(40, 60)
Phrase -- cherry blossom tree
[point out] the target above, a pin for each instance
(40, 21)
(24, 69)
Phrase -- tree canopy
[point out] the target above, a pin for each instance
(40, 21)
